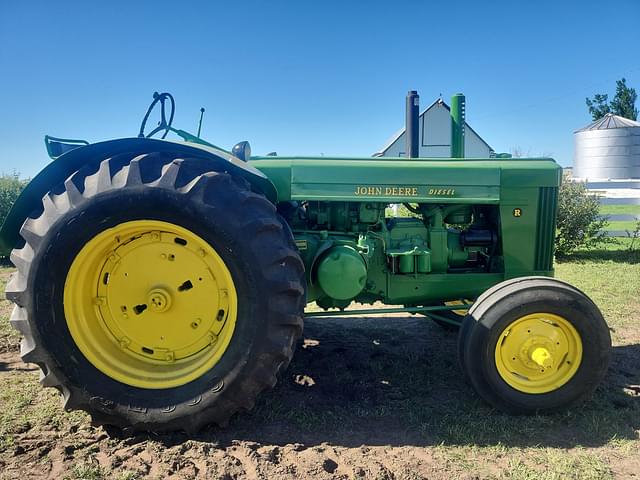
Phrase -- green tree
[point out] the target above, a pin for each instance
(598, 106)
(623, 103)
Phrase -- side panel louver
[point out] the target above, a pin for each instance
(547, 205)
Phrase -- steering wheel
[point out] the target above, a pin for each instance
(163, 124)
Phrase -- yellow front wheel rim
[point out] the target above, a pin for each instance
(538, 353)
(150, 304)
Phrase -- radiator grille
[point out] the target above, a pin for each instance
(547, 205)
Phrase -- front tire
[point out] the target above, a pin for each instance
(140, 339)
(534, 345)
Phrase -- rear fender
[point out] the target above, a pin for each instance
(59, 170)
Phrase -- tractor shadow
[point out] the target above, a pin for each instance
(603, 255)
(5, 262)
(395, 381)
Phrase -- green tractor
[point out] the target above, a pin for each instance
(161, 285)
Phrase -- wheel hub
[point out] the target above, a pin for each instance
(165, 308)
(159, 300)
(537, 351)
(542, 357)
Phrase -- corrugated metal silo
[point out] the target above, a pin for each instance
(609, 148)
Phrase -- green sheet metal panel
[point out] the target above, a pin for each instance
(396, 180)
(518, 217)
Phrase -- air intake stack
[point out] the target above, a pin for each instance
(457, 125)
(412, 124)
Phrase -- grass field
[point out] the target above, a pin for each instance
(619, 209)
(363, 398)
(621, 225)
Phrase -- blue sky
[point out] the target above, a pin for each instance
(325, 77)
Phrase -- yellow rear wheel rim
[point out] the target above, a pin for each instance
(150, 304)
(538, 353)
(460, 313)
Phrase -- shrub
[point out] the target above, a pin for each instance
(10, 188)
(634, 239)
(579, 222)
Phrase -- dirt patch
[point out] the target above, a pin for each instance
(10, 361)
(379, 398)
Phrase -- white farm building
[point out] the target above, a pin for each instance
(435, 136)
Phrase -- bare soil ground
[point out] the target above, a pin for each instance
(379, 398)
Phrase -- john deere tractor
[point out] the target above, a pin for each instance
(162, 285)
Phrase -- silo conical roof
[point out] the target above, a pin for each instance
(610, 121)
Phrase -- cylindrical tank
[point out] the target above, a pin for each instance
(609, 148)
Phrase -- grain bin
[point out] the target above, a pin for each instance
(609, 148)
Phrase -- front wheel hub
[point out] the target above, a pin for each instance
(150, 304)
(542, 357)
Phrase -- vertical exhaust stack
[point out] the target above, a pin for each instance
(412, 124)
(457, 125)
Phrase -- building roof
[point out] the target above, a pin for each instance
(610, 121)
(438, 102)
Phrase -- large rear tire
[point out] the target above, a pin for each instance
(157, 295)
(534, 345)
